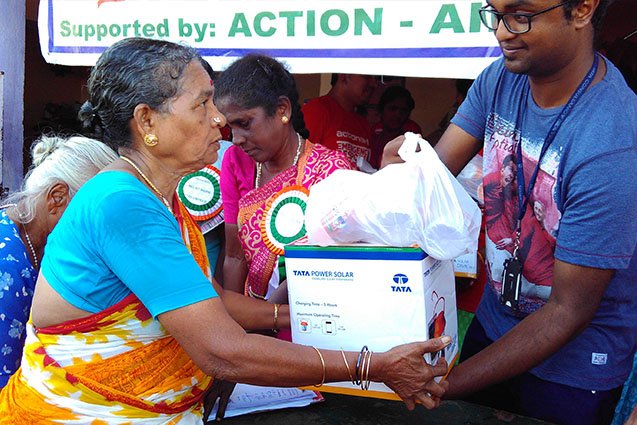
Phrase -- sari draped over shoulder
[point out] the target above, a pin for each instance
(118, 366)
(316, 163)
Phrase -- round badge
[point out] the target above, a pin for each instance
(283, 221)
(200, 192)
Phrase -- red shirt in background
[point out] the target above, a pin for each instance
(334, 127)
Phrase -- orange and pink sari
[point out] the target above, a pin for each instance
(118, 366)
(316, 163)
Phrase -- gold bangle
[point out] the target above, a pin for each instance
(322, 364)
(362, 369)
(365, 364)
(276, 317)
(349, 372)
(367, 380)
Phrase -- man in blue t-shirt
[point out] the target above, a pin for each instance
(556, 329)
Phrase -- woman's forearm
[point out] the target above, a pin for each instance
(255, 314)
(221, 348)
(235, 272)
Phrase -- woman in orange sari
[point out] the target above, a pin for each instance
(126, 326)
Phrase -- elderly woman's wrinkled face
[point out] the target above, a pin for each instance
(256, 133)
(189, 132)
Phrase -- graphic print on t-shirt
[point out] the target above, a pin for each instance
(541, 218)
(352, 146)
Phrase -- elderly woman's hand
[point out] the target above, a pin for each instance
(390, 152)
(405, 371)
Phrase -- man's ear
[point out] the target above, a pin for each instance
(57, 198)
(582, 14)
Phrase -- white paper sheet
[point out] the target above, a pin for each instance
(251, 399)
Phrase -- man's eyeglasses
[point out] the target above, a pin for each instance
(516, 23)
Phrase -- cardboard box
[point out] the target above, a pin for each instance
(466, 265)
(350, 296)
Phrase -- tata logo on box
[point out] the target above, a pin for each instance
(401, 280)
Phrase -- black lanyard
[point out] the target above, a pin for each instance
(524, 196)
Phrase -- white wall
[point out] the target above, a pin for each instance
(12, 22)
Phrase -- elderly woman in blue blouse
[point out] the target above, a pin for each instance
(60, 167)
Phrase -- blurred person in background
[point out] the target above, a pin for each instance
(395, 106)
(333, 119)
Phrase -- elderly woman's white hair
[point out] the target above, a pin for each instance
(72, 161)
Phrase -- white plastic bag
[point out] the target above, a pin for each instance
(471, 179)
(416, 202)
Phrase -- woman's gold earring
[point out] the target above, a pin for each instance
(285, 119)
(150, 140)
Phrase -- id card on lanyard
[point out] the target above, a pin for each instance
(512, 273)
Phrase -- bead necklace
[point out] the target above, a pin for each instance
(147, 180)
(26, 236)
(296, 160)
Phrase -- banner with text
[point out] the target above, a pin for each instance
(413, 38)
